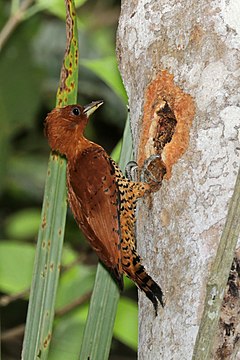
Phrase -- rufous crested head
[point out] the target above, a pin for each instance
(64, 127)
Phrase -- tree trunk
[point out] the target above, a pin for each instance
(179, 61)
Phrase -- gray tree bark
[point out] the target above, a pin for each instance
(178, 232)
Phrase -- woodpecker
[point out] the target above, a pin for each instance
(102, 199)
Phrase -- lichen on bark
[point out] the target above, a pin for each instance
(178, 237)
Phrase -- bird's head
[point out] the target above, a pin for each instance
(64, 127)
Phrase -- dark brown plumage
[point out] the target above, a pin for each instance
(102, 200)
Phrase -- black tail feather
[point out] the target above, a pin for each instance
(152, 290)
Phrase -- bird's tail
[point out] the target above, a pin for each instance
(138, 274)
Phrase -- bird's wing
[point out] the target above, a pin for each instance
(94, 200)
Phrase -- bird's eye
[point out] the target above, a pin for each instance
(76, 111)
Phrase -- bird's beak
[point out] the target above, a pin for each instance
(93, 106)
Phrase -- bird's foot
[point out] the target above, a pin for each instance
(131, 171)
(153, 171)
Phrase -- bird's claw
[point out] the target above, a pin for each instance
(130, 170)
(153, 171)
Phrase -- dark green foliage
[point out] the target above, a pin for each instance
(30, 63)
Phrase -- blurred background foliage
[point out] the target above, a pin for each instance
(31, 53)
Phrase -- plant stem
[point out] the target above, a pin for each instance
(13, 22)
